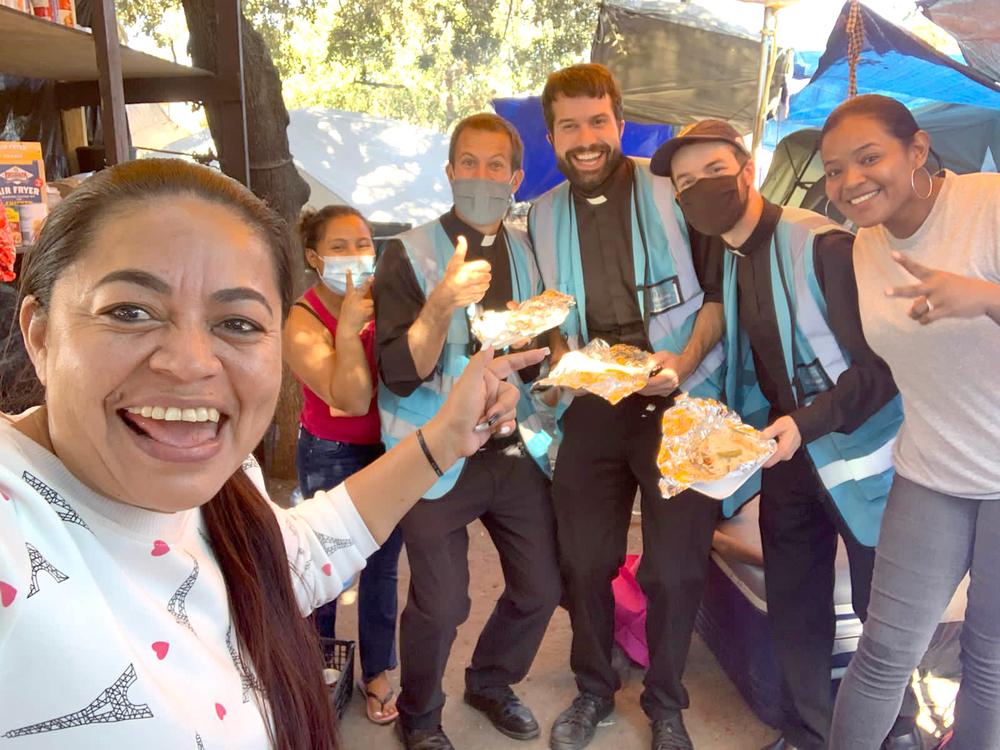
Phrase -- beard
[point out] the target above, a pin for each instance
(589, 180)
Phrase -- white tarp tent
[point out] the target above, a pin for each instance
(391, 171)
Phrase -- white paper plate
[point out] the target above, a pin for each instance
(720, 489)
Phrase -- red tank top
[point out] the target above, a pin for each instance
(315, 416)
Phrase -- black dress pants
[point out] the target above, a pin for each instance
(606, 453)
(505, 489)
(799, 529)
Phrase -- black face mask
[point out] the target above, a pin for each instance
(713, 205)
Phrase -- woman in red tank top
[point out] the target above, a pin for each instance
(329, 341)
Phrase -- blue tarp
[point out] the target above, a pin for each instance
(893, 62)
(540, 171)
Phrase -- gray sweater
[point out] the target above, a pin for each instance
(947, 372)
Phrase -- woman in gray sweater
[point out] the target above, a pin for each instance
(927, 263)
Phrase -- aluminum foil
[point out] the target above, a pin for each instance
(704, 443)
(611, 372)
(501, 328)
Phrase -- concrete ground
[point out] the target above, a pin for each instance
(717, 720)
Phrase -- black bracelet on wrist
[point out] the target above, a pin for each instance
(427, 453)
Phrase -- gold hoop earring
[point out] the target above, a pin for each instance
(930, 183)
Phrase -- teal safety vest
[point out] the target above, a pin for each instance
(856, 468)
(667, 286)
(429, 249)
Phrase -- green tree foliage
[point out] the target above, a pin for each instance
(423, 61)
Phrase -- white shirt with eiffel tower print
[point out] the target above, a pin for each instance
(115, 629)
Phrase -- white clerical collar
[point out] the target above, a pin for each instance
(735, 252)
(488, 240)
(597, 200)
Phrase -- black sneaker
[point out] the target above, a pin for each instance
(508, 714)
(670, 734)
(575, 727)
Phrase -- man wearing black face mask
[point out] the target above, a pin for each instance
(797, 360)
(424, 282)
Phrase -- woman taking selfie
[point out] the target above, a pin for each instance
(150, 595)
(927, 262)
(329, 343)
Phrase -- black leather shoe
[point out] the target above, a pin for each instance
(575, 727)
(424, 739)
(505, 710)
(780, 744)
(670, 734)
(909, 741)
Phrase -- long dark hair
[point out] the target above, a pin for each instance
(272, 635)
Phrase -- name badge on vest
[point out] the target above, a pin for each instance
(812, 379)
(664, 295)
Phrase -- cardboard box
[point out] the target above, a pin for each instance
(22, 189)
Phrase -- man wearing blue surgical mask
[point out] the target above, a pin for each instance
(425, 281)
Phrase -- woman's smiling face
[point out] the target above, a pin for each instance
(160, 352)
(869, 170)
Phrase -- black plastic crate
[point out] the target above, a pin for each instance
(339, 655)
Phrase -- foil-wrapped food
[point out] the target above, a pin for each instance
(501, 328)
(611, 372)
(708, 448)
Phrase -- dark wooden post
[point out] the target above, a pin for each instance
(233, 155)
(109, 66)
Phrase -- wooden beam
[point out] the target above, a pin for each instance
(74, 122)
(234, 156)
(109, 65)
(143, 91)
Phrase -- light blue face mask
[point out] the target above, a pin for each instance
(335, 268)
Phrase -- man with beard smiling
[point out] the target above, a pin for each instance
(799, 363)
(613, 237)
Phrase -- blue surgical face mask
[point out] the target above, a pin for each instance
(335, 268)
(481, 202)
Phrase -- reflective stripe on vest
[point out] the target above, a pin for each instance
(671, 285)
(856, 468)
(429, 249)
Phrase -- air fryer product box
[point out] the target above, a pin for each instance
(22, 189)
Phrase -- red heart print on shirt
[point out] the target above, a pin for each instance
(7, 594)
(328, 569)
(220, 711)
(161, 648)
(160, 548)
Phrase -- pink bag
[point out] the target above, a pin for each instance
(630, 612)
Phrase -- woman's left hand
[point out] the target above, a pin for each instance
(941, 294)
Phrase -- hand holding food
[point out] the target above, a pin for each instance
(786, 432)
(522, 322)
(611, 372)
(706, 447)
(665, 379)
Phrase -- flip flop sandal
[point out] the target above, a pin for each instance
(382, 700)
